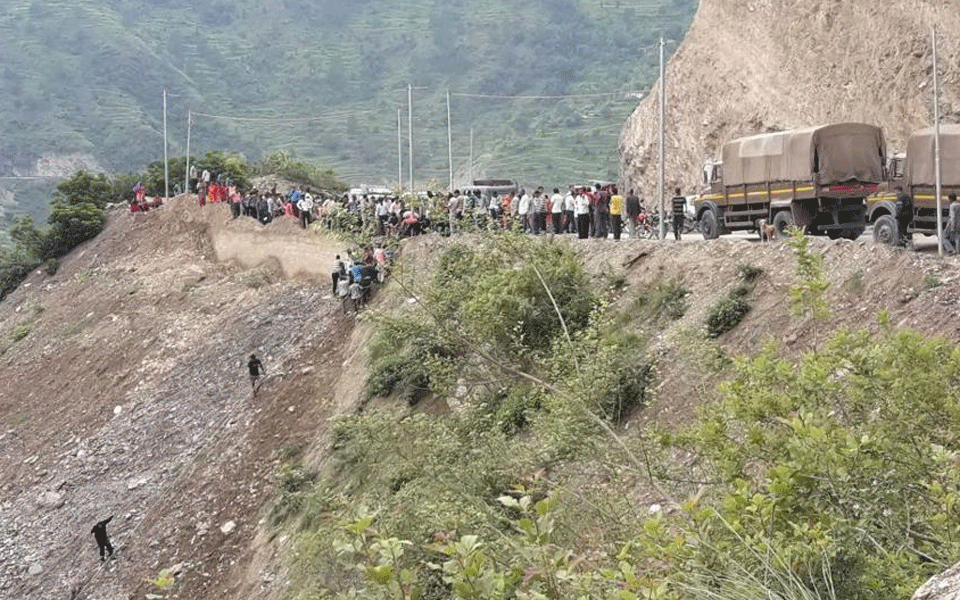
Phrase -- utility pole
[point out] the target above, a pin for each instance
(936, 143)
(663, 115)
(410, 127)
(449, 142)
(166, 167)
(471, 156)
(399, 152)
(186, 169)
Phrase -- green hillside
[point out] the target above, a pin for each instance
(325, 79)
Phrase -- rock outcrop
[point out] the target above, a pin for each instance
(945, 586)
(765, 65)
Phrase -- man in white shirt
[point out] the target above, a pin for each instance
(556, 210)
(305, 204)
(523, 210)
(569, 206)
(583, 215)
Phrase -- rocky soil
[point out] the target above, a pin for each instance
(752, 66)
(125, 394)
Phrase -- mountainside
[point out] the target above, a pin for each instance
(125, 392)
(325, 80)
(752, 67)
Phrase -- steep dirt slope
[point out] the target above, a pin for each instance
(761, 65)
(124, 391)
(126, 395)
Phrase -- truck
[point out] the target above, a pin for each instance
(817, 178)
(915, 172)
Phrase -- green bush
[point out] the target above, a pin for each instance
(51, 266)
(20, 331)
(749, 273)
(726, 314)
(288, 166)
(665, 299)
(841, 464)
(516, 409)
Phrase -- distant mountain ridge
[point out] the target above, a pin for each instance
(87, 78)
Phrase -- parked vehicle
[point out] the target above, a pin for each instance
(487, 187)
(816, 178)
(915, 172)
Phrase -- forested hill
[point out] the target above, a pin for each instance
(87, 77)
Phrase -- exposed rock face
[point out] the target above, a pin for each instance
(752, 66)
(945, 586)
(64, 165)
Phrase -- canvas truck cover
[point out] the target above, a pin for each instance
(839, 153)
(920, 168)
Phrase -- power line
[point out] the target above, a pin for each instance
(282, 119)
(626, 94)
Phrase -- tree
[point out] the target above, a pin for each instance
(77, 212)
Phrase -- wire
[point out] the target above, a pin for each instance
(281, 119)
(626, 94)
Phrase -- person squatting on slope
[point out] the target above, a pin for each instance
(99, 532)
(255, 367)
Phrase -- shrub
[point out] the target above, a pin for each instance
(726, 314)
(665, 299)
(288, 166)
(20, 331)
(749, 273)
(51, 266)
(516, 409)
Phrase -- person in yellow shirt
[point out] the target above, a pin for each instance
(616, 213)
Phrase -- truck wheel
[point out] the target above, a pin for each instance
(783, 220)
(886, 231)
(708, 225)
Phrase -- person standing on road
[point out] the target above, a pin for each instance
(904, 215)
(616, 212)
(569, 209)
(951, 233)
(632, 211)
(679, 213)
(601, 216)
(583, 215)
(256, 372)
(556, 210)
(99, 532)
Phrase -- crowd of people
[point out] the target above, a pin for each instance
(585, 211)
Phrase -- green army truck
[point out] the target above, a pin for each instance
(816, 178)
(916, 174)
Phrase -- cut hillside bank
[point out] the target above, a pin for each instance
(771, 65)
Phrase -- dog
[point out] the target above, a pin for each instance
(768, 232)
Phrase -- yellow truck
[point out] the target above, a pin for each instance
(816, 178)
(915, 172)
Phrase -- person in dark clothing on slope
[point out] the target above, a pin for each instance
(99, 532)
(256, 371)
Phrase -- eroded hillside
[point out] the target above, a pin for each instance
(126, 395)
(125, 392)
(766, 65)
